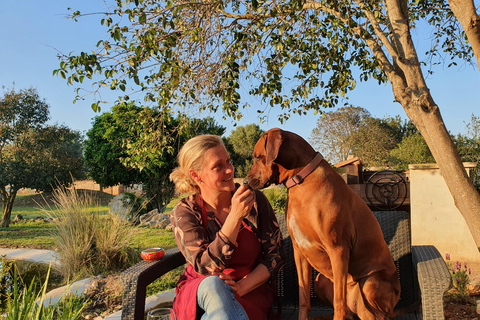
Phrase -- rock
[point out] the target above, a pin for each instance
(18, 218)
(155, 219)
(39, 219)
(117, 206)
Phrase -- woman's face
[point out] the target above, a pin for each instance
(217, 172)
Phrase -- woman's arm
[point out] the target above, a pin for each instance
(205, 255)
(251, 281)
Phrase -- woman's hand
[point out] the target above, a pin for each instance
(251, 281)
(242, 202)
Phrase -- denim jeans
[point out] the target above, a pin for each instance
(218, 301)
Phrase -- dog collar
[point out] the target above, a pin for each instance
(298, 178)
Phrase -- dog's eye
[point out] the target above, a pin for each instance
(258, 158)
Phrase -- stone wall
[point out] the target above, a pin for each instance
(434, 217)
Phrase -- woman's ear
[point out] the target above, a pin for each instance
(194, 176)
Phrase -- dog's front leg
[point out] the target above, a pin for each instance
(339, 256)
(304, 270)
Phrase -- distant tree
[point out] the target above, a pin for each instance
(102, 157)
(400, 128)
(373, 141)
(413, 149)
(39, 159)
(240, 144)
(19, 112)
(117, 150)
(468, 146)
(333, 135)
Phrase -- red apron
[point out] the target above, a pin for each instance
(257, 303)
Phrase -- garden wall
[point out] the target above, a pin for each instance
(434, 217)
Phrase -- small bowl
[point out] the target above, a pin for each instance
(152, 254)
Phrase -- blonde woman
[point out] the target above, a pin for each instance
(228, 235)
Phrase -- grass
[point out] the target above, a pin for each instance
(39, 235)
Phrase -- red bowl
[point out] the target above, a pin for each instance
(152, 254)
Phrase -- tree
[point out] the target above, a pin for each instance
(335, 130)
(413, 149)
(197, 53)
(240, 144)
(39, 159)
(468, 146)
(19, 112)
(102, 157)
(111, 161)
(373, 141)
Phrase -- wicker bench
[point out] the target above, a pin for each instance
(423, 275)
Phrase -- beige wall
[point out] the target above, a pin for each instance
(435, 219)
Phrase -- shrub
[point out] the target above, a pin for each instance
(89, 242)
(277, 198)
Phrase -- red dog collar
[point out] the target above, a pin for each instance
(298, 178)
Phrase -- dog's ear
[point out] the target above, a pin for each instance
(273, 141)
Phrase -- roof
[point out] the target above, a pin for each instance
(347, 162)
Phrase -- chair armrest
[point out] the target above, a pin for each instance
(433, 278)
(136, 279)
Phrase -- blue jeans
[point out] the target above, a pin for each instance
(218, 301)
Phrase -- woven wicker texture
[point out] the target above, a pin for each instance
(432, 281)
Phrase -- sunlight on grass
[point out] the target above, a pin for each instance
(37, 235)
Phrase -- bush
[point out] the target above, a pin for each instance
(88, 242)
(277, 198)
(137, 207)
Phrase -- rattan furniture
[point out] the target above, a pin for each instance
(423, 275)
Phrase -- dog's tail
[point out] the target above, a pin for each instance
(411, 308)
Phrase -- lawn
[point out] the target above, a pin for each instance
(40, 235)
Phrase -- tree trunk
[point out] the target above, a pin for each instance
(7, 200)
(465, 12)
(410, 89)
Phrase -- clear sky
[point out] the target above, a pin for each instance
(32, 32)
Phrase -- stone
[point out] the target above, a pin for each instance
(155, 219)
(18, 218)
(117, 206)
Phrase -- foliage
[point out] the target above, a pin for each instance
(102, 158)
(277, 198)
(19, 113)
(134, 144)
(460, 279)
(400, 129)
(33, 155)
(335, 130)
(196, 54)
(373, 141)
(468, 147)
(87, 243)
(21, 304)
(137, 206)
(240, 144)
(413, 149)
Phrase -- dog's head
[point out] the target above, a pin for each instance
(264, 170)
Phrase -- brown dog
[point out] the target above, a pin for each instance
(332, 230)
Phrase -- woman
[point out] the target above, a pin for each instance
(228, 235)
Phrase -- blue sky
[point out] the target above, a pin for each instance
(32, 32)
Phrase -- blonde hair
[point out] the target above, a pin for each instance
(191, 157)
